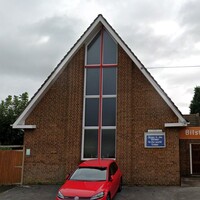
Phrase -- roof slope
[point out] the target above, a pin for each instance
(97, 23)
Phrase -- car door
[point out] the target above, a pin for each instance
(113, 178)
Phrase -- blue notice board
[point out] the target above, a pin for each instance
(155, 140)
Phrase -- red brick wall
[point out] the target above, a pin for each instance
(140, 108)
(56, 142)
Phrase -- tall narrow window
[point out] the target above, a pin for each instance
(99, 127)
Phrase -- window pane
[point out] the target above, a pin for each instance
(91, 144)
(93, 50)
(109, 81)
(91, 111)
(109, 49)
(108, 144)
(109, 112)
(92, 81)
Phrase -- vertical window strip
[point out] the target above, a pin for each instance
(101, 97)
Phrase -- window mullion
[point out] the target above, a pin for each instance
(100, 94)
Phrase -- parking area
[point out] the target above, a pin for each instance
(35, 192)
(30, 192)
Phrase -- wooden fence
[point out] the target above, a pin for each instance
(11, 165)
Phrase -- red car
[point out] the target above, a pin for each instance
(93, 179)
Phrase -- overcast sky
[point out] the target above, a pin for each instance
(36, 34)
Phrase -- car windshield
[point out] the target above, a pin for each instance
(89, 174)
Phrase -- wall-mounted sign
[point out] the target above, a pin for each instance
(28, 152)
(154, 139)
(189, 133)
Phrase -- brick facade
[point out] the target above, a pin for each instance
(56, 142)
(140, 108)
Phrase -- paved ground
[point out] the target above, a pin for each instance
(48, 192)
(33, 192)
(5, 187)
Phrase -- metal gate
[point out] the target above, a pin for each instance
(11, 164)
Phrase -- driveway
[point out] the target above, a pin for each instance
(35, 192)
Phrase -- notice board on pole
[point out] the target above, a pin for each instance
(154, 139)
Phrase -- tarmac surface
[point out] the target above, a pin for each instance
(48, 192)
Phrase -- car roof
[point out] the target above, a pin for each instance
(96, 163)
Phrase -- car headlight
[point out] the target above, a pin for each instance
(97, 196)
(60, 195)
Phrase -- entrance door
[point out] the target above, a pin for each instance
(195, 159)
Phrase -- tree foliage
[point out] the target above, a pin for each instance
(10, 109)
(195, 103)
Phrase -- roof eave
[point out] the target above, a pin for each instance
(24, 126)
(174, 125)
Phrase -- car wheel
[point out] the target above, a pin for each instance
(108, 197)
(120, 186)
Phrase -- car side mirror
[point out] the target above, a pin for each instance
(67, 177)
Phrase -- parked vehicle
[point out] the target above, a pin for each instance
(93, 179)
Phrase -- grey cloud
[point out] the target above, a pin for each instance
(25, 52)
(15, 85)
(190, 12)
(179, 76)
(148, 46)
(189, 17)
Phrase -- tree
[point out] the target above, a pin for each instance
(10, 109)
(195, 103)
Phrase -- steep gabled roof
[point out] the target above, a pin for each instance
(97, 23)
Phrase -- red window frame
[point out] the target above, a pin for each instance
(100, 66)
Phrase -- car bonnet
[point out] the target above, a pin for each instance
(82, 188)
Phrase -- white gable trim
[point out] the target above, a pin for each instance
(93, 28)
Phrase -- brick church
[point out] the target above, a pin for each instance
(100, 100)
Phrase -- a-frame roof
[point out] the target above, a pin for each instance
(97, 23)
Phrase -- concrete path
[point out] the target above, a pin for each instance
(49, 192)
